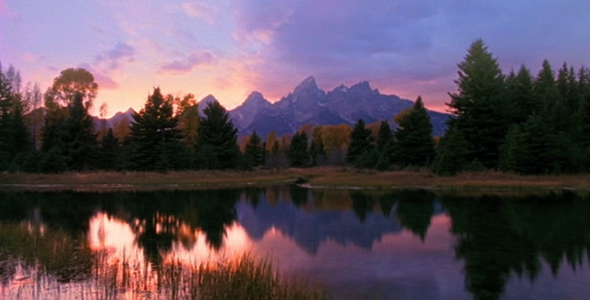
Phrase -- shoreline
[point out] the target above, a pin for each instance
(312, 178)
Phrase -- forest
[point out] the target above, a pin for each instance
(515, 122)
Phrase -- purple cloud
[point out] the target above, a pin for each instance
(4, 10)
(201, 10)
(104, 79)
(186, 65)
(114, 58)
(402, 43)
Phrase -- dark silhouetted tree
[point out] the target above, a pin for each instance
(413, 139)
(80, 139)
(218, 137)
(15, 140)
(254, 152)
(317, 152)
(519, 91)
(360, 142)
(384, 136)
(298, 153)
(483, 115)
(155, 142)
(451, 153)
(110, 151)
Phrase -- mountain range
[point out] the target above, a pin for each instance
(308, 104)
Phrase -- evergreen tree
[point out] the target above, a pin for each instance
(110, 151)
(384, 136)
(451, 154)
(15, 139)
(544, 88)
(80, 139)
(254, 150)
(317, 151)
(218, 137)
(560, 118)
(368, 159)
(519, 92)
(483, 115)
(52, 132)
(154, 142)
(413, 139)
(297, 154)
(528, 148)
(584, 117)
(360, 142)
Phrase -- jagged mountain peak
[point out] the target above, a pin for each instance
(363, 87)
(255, 98)
(204, 103)
(308, 83)
(208, 99)
(341, 88)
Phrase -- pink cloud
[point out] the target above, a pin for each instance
(201, 10)
(186, 65)
(104, 80)
(4, 10)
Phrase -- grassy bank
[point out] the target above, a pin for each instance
(314, 177)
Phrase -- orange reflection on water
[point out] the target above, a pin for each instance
(235, 243)
(113, 236)
(116, 238)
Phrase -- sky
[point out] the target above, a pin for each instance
(230, 48)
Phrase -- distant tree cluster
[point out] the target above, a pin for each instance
(515, 123)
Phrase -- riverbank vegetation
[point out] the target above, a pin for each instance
(513, 122)
(319, 177)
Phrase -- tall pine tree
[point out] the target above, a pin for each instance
(80, 138)
(483, 115)
(519, 92)
(217, 139)
(110, 152)
(414, 145)
(360, 142)
(254, 153)
(155, 142)
(451, 153)
(298, 154)
(15, 140)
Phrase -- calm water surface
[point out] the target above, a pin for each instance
(383, 245)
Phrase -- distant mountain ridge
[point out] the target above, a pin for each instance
(308, 104)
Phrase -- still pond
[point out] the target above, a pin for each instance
(413, 244)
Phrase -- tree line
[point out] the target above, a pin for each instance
(515, 123)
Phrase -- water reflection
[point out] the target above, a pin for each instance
(498, 237)
(401, 245)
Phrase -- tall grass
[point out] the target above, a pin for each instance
(244, 277)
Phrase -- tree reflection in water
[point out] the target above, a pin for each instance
(495, 237)
(157, 218)
(501, 236)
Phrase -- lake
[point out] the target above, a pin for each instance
(413, 244)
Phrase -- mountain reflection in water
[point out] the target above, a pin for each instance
(389, 244)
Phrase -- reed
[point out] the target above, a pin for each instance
(243, 277)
